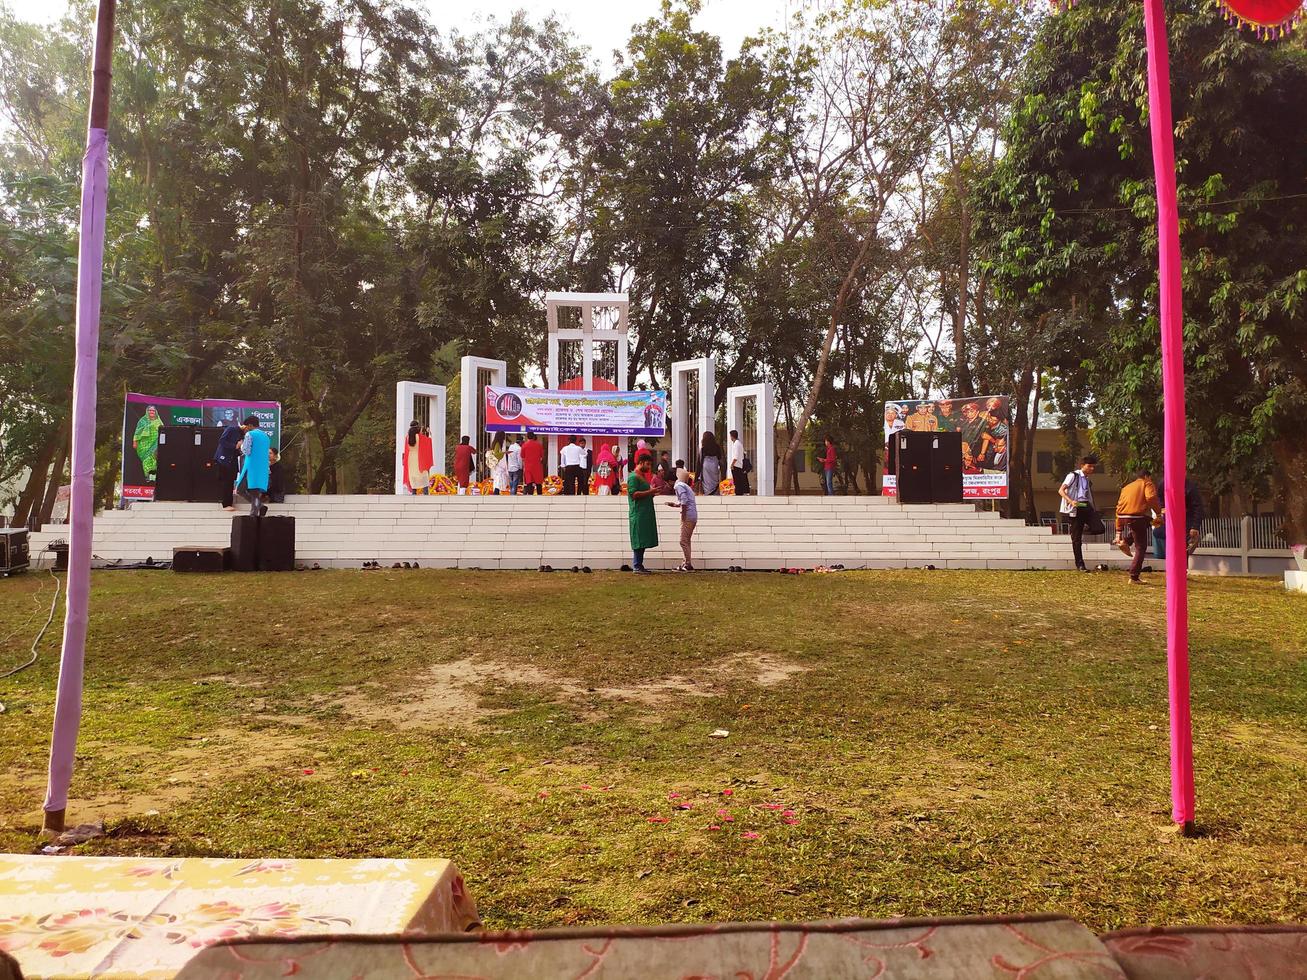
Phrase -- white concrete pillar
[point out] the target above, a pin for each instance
(763, 476)
(405, 392)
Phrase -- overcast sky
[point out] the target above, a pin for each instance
(596, 23)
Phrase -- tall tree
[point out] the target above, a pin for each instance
(1075, 208)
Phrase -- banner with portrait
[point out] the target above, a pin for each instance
(145, 415)
(984, 423)
(557, 412)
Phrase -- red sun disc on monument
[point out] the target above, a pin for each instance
(1275, 15)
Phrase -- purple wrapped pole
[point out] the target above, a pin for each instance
(90, 263)
(1171, 316)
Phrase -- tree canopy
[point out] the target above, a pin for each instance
(312, 199)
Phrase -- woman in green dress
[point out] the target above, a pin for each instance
(145, 440)
(644, 525)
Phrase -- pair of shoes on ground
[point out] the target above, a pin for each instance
(641, 570)
(687, 567)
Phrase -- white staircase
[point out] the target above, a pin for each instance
(526, 532)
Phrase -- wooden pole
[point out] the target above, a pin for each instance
(1171, 319)
(90, 274)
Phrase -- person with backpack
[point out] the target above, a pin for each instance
(1077, 493)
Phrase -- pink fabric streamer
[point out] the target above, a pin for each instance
(90, 261)
(1173, 448)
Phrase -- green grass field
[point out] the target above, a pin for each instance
(901, 743)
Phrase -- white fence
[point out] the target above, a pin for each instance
(1243, 545)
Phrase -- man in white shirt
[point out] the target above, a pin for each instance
(572, 459)
(1077, 493)
(735, 460)
(514, 466)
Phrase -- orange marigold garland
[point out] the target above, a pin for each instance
(726, 488)
(553, 486)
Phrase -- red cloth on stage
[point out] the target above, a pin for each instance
(463, 463)
(533, 461)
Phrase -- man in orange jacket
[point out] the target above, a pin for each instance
(1135, 510)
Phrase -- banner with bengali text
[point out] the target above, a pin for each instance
(984, 424)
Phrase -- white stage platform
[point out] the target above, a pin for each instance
(761, 533)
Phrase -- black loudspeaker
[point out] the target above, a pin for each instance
(946, 467)
(208, 483)
(175, 479)
(277, 544)
(245, 543)
(912, 450)
(14, 555)
(193, 559)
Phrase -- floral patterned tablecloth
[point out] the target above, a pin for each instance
(145, 917)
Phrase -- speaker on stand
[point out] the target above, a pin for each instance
(208, 481)
(175, 477)
(912, 466)
(946, 467)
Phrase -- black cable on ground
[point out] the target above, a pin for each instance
(37, 642)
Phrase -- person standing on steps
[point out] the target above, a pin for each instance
(252, 480)
(710, 464)
(464, 455)
(1077, 493)
(640, 514)
(739, 475)
(514, 466)
(227, 459)
(572, 460)
(689, 516)
(533, 465)
(497, 464)
(828, 468)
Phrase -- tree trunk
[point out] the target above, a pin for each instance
(1018, 472)
(966, 387)
(1291, 484)
(29, 501)
(837, 313)
(55, 479)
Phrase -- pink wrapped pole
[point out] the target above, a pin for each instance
(90, 263)
(1173, 447)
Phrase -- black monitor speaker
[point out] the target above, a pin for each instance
(244, 543)
(196, 559)
(277, 544)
